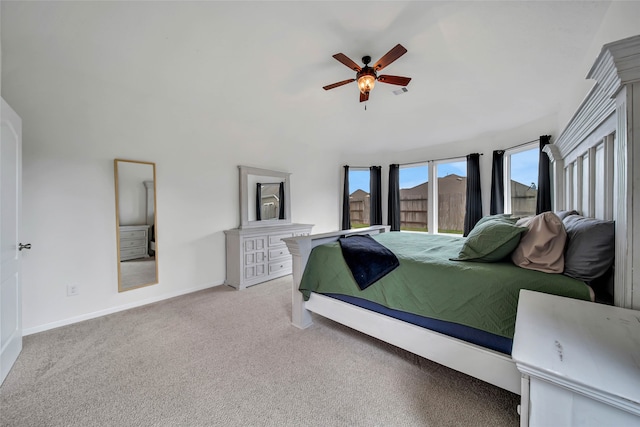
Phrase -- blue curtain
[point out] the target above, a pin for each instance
(497, 183)
(346, 217)
(473, 211)
(394, 197)
(375, 208)
(543, 203)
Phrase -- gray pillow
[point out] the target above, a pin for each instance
(590, 247)
(563, 214)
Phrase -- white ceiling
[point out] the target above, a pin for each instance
(476, 67)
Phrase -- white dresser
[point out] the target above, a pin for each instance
(258, 254)
(580, 362)
(134, 242)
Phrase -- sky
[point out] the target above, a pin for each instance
(524, 169)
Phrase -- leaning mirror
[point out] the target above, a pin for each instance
(136, 226)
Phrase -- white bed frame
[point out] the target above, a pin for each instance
(594, 171)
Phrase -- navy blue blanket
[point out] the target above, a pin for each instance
(367, 259)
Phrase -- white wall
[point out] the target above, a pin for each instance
(0, 50)
(135, 99)
(69, 207)
(75, 124)
(621, 21)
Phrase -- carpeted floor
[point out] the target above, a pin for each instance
(222, 357)
(137, 272)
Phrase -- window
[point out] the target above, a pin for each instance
(452, 196)
(359, 197)
(414, 193)
(521, 176)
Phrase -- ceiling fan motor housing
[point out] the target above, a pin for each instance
(366, 78)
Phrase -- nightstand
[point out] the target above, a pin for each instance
(580, 362)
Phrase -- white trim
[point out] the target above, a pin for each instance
(111, 310)
(432, 202)
(507, 162)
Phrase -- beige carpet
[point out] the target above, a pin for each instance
(138, 272)
(222, 357)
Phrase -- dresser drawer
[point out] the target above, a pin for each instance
(133, 234)
(130, 243)
(278, 253)
(276, 239)
(276, 267)
(138, 252)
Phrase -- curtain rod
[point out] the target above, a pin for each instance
(523, 144)
(450, 158)
(435, 160)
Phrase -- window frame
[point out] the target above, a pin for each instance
(416, 165)
(507, 208)
(366, 211)
(433, 189)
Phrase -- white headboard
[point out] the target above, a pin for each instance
(594, 168)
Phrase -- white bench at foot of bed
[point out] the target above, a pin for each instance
(487, 365)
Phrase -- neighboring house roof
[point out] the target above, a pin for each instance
(358, 195)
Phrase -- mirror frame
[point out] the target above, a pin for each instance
(155, 223)
(245, 171)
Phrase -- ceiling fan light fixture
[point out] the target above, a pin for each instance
(366, 80)
(366, 76)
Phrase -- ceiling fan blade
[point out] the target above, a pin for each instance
(344, 82)
(394, 80)
(389, 57)
(364, 96)
(348, 62)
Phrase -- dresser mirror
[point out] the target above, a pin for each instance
(136, 231)
(264, 197)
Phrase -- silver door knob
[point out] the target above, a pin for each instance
(21, 246)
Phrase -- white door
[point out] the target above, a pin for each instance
(10, 210)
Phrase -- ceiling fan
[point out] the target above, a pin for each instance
(367, 76)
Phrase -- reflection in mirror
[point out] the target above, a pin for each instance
(269, 201)
(264, 197)
(136, 230)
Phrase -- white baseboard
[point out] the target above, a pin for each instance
(100, 313)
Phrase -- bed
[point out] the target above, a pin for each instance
(595, 170)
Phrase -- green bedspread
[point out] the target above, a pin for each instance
(427, 283)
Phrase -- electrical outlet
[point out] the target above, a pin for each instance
(72, 290)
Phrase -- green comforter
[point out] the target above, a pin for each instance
(427, 283)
